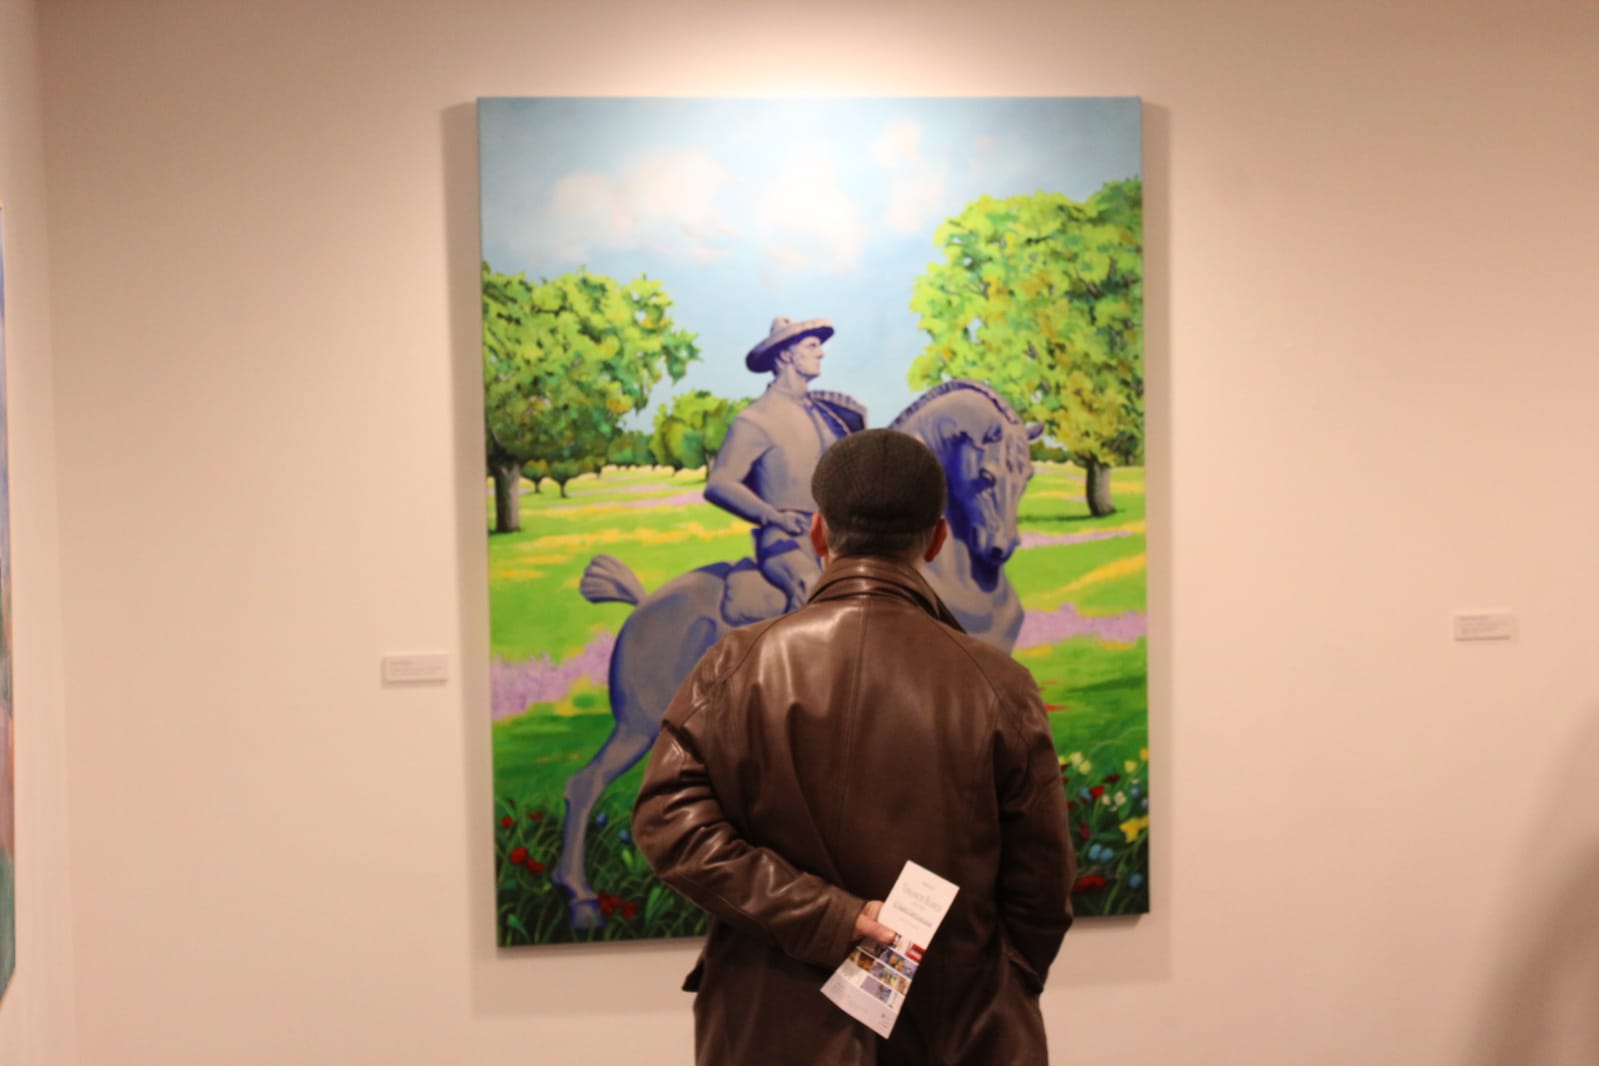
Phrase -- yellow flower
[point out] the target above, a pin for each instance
(1129, 766)
(1133, 826)
(1144, 754)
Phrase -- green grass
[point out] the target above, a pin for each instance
(535, 607)
(1097, 690)
(533, 754)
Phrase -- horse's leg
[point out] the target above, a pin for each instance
(626, 744)
(644, 676)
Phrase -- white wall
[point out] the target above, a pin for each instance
(36, 1019)
(1371, 248)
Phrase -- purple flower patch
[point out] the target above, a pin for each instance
(516, 686)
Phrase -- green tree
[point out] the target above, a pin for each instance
(691, 430)
(563, 361)
(1043, 298)
(630, 448)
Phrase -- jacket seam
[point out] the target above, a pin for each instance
(853, 704)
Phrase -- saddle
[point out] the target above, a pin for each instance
(748, 596)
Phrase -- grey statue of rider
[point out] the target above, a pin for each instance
(763, 472)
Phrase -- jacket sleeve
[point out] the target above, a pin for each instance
(682, 830)
(1037, 862)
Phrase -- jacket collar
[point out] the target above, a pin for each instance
(863, 575)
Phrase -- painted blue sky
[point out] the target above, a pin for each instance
(749, 209)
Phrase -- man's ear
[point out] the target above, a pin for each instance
(936, 545)
(819, 535)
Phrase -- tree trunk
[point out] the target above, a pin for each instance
(1099, 501)
(536, 489)
(507, 507)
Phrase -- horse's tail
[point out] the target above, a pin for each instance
(608, 579)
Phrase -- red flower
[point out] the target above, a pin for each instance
(518, 856)
(1071, 805)
(1090, 883)
(1111, 779)
(507, 822)
(1097, 791)
(1083, 831)
(536, 815)
(630, 909)
(534, 866)
(609, 903)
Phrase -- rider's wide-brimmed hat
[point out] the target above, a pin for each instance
(785, 331)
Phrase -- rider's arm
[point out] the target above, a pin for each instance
(725, 485)
(681, 828)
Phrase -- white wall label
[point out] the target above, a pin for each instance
(1484, 625)
(431, 668)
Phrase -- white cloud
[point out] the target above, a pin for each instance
(900, 144)
(667, 204)
(806, 218)
(914, 202)
(915, 193)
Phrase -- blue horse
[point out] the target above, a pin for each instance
(983, 448)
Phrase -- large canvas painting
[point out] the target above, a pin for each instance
(8, 877)
(684, 303)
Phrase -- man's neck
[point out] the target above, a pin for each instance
(791, 382)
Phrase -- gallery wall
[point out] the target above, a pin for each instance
(1371, 243)
(36, 1013)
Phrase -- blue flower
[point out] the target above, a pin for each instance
(1144, 803)
(626, 837)
(1093, 853)
(1135, 880)
(1135, 792)
(1083, 793)
(600, 819)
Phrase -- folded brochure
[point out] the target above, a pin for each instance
(870, 986)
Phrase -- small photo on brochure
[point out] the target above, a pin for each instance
(895, 961)
(862, 959)
(914, 953)
(880, 990)
(897, 981)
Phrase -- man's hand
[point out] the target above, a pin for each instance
(867, 927)
(794, 522)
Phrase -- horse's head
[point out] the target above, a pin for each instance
(985, 451)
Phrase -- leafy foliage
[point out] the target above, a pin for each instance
(564, 360)
(690, 432)
(631, 448)
(1043, 298)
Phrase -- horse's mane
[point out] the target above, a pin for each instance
(958, 385)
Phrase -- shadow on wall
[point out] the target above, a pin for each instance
(1543, 1007)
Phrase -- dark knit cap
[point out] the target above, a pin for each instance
(879, 481)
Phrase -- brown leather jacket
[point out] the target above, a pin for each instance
(800, 766)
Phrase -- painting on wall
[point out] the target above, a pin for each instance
(8, 878)
(684, 303)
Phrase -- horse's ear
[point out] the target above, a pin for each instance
(1035, 430)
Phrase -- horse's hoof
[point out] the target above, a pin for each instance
(586, 914)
